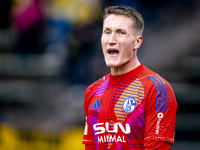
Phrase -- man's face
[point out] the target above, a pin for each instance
(118, 40)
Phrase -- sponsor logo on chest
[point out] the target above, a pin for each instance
(101, 128)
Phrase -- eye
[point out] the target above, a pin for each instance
(121, 32)
(107, 32)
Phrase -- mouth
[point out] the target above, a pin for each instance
(113, 52)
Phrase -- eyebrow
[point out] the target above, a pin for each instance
(106, 28)
(117, 29)
(120, 30)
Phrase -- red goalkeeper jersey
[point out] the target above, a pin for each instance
(125, 112)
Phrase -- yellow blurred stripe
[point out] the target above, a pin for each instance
(13, 139)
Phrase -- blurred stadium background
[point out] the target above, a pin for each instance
(50, 52)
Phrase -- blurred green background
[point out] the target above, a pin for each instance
(50, 51)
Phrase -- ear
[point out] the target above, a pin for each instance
(138, 42)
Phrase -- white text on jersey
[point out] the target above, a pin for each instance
(103, 128)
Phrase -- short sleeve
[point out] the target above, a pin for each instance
(160, 107)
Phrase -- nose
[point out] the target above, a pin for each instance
(112, 39)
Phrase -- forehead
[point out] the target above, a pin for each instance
(119, 21)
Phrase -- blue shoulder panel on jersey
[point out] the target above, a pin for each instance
(165, 92)
(158, 92)
(161, 106)
(157, 80)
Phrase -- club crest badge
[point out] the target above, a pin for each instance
(129, 104)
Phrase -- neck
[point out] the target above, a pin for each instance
(125, 67)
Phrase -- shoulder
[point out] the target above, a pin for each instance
(91, 88)
(157, 89)
(151, 78)
(153, 82)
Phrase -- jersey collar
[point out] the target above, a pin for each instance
(116, 79)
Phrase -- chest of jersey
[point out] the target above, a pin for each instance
(117, 111)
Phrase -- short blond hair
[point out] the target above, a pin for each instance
(128, 12)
